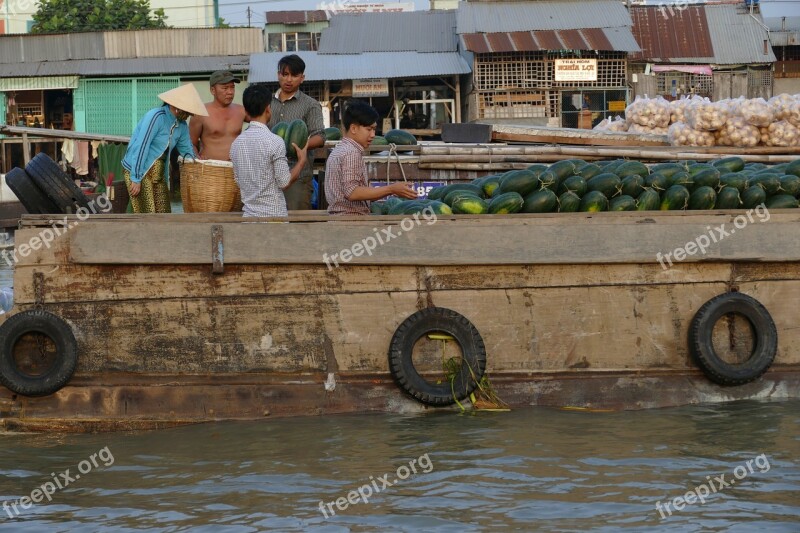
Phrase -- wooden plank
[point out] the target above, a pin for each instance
(438, 241)
(550, 135)
(79, 283)
(62, 134)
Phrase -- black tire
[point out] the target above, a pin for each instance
(31, 197)
(58, 374)
(473, 362)
(702, 347)
(49, 177)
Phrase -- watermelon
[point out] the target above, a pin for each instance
(569, 202)
(697, 168)
(379, 141)
(704, 197)
(791, 184)
(728, 198)
(455, 194)
(771, 183)
(378, 208)
(793, 168)
(667, 169)
(563, 169)
(729, 164)
(707, 178)
(332, 134)
(594, 201)
(735, 179)
(782, 201)
(753, 196)
(522, 182)
(649, 200)
(490, 186)
(510, 202)
(589, 170)
(623, 203)
(280, 129)
(608, 184)
(633, 186)
(675, 198)
(575, 184)
(630, 168)
(541, 201)
(440, 208)
(470, 205)
(296, 133)
(658, 182)
(400, 138)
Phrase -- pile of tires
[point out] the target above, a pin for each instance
(43, 188)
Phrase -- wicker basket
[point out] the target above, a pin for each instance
(208, 186)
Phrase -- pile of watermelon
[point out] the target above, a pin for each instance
(574, 185)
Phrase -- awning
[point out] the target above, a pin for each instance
(38, 84)
(690, 69)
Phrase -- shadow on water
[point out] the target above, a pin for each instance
(534, 469)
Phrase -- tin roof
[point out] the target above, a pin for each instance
(616, 39)
(414, 31)
(718, 34)
(124, 67)
(502, 17)
(319, 67)
(296, 17)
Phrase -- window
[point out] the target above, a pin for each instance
(293, 42)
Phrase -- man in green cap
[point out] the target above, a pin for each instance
(212, 136)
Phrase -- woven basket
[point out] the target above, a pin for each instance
(208, 186)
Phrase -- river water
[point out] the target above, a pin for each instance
(535, 469)
(730, 467)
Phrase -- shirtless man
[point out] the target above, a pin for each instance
(213, 135)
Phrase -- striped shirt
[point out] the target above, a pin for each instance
(344, 171)
(303, 107)
(261, 171)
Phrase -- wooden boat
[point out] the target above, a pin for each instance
(176, 319)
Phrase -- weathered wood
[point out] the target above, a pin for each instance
(62, 134)
(550, 135)
(26, 149)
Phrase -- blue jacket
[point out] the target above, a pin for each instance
(150, 140)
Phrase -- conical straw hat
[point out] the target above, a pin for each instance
(185, 98)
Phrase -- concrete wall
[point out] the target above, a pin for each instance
(787, 85)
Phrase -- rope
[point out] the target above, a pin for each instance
(393, 151)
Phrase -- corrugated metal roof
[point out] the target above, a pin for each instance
(780, 14)
(415, 31)
(717, 34)
(502, 17)
(319, 67)
(664, 35)
(737, 38)
(607, 39)
(296, 17)
(130, 44)
(125, 67)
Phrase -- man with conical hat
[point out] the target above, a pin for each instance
(146, 163)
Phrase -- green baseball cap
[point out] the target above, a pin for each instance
(223, 76)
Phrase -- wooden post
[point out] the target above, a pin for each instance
(458, 100)
(26, 149)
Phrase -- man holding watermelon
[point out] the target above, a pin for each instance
(290, 103)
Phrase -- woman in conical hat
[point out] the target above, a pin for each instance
(146, 163)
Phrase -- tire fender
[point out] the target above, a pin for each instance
(473, 361)
(701, 343)
(66, 360)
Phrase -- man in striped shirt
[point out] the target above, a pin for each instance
(346, 187)
(259, 159)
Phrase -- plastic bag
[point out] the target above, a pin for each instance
(638, 128)
(677, 110)
(780, 105)
(612, 125)
(782, 133)
(648, 112)
(737, 132)
(681, 134)
(704, 114)
(757, 112)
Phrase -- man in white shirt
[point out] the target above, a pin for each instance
(259, 159)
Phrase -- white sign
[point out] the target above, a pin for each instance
(576, 70)
(349, 6)
(370, 87)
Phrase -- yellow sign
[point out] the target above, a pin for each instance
(576, 69)
(616, 105)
